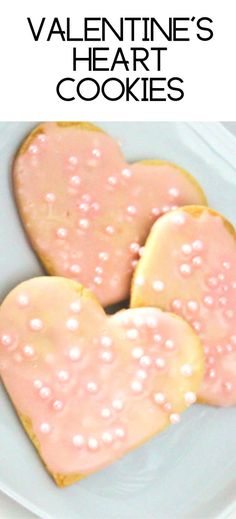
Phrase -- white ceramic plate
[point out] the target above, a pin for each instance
(189, 471)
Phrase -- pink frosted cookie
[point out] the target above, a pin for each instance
(86, 211)
(189, 267)
(88, 388)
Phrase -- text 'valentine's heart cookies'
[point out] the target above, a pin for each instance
(189, 267)
(87, 387)
(86, 211)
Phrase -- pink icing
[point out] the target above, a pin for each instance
(87, 212)
(94, 387)
(195, 260)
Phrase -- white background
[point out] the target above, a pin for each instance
(30, 70)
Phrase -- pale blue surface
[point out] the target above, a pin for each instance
(189, 471)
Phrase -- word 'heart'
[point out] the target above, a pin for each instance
(86, 211)
(191, 255)
(87, 387)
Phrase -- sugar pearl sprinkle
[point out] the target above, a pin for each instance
(78, 440)
(92, 444)
(45, 428)
(136, 386)
(74, 353)
(28, 351)
(174, 418)
(23, 300)
(158, 285)
(72, 324)
(6, 340)
(36, 324)
(61, 233)
(105, 412)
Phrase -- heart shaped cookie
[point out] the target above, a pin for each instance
(189, 267)
(86, 211)
(87, 387)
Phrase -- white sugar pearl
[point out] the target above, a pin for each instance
(186, 249)
(99, 270)
(6, 340)
(131, 209)
(137, 352)
(185, 269)
(117, 404)
(36, 324)
(197, 245)
(136, 386)
(63, 375)
(107, 438)
(97, 280)
(106, 356)
(156, 211)
(192, 306)
(72, 324)
(33, 149)
(110, 229)
(28, 351)
(142, 374)
(174, 192)
(151, 321)
(106, 412)
(83, 223)
(132, 334)
(75, 180)
(62, 233)
(106, 341)
(134, 247)
(50, 198)
(57, 405)
(190, 397)
(169, 344)
(93, 444)
(104, 256)
(45, 428)
(73, 160)
(157, 338)
(174, 418)
(176, 304)
(96, 152)
(112, 180)
(74, 353)
(23, 300)
(139, 281)
(197, 326)
(197, 261)
(159, 398)
(92, 387)
(37, 384)
(120, 432)
(78, 440)
(126, 173)
(178, 219)
(160, 362)
(75, 307)
(138, 321)
(186, 370)
(45, 392)
(75, 268)
(145, 361)
(212, 282)
(42, 138)
(208, 301)
(158, 286)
